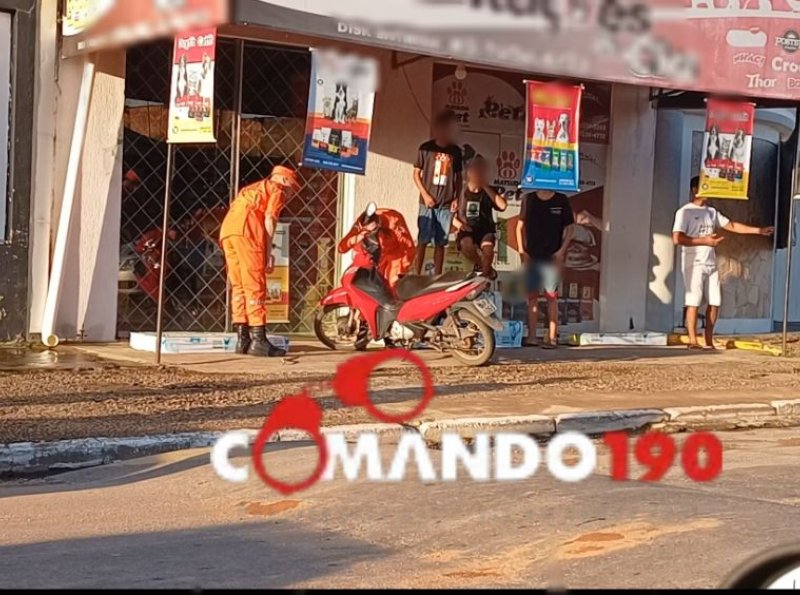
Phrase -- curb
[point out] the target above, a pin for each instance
(29, 458)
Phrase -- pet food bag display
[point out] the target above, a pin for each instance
(551, 141)
(340, 106)
(191, 105)
(278, 276)
(725, 163)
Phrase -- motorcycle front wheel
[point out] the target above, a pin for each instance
(338, 330)
(478, 346)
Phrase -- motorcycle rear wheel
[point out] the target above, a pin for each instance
(322, 324)
(483, 354)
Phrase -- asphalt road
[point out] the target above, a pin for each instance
(170, 522)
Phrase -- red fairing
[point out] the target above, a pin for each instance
(431, 305)
(337, 296)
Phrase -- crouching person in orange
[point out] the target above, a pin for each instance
(246, 237)
(397, 248)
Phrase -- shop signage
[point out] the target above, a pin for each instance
(340, 106)
(728, 142)
(278, 277)
(191, 104)
(552, 160)
(93, 25)
(656, 43)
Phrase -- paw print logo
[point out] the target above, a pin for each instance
(457, 93)
(508, 165)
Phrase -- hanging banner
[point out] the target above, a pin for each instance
(340, 106)
(191, 105)
(552, 160)
(728, 143)
(278, 279)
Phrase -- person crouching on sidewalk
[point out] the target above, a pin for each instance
(478, 234)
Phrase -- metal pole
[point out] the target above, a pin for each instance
(236, 134)
(164, 240)
(789, 246)
(788, 286)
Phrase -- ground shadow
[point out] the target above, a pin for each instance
(276, 554)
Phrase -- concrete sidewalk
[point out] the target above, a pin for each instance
(532, 381)
(308, 356)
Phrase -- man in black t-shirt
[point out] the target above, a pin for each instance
(544, 234)
(438, 177)
(477, 237)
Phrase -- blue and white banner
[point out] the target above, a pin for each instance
(340, 105)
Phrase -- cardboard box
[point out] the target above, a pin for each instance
(511, 335)
(177, 343)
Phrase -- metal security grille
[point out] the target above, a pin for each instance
(273, 96)
(274, 103)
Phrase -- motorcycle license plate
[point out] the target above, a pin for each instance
(486, 307)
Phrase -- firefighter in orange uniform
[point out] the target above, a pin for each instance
(246, 237)
(397, 244)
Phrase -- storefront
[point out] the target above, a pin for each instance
(636, 159)
(17, 72)
(261, 95)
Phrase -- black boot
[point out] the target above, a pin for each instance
(260, 346)
(242, 338)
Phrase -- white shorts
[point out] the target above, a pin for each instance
(702, 280)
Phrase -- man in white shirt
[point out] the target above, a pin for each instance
(696, 231)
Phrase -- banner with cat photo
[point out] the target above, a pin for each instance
(552, 160)
(728, 144)
(191, 105)
(340, 106)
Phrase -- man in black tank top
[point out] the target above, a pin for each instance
(544, 234)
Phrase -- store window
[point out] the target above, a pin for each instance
(274, 96)
(5, 120)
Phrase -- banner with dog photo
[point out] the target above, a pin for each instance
(552, 160)
(341, 102)
(725, 166)
(191, 106)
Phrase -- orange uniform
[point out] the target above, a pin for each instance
(247, 247)
(397, 245)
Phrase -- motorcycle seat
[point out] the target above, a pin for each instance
(368, 281)
(413, 286)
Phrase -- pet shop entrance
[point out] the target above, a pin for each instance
(261, 95)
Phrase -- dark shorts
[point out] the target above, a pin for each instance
(543, 278)
(434, 225)
(478, 235)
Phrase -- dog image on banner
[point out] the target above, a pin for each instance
(552, 159)
(727, 147)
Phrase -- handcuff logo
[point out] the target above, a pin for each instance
(351, 386)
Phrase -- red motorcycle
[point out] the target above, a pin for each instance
(448, 313)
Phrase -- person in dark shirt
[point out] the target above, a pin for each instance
(438, 177)
(544, 234)
(477, 236)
